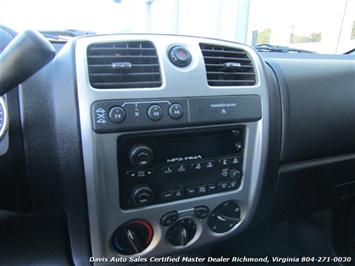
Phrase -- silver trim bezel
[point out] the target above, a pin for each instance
(100, 154)
(4, 127)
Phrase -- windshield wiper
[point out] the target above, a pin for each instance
(279, 49)
(61, 35)
(351, 52)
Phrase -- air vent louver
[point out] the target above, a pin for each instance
(123, 65)
(226, 66)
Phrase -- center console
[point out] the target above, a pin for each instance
(174, 134)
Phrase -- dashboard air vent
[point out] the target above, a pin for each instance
(123, 65)
(227, 66)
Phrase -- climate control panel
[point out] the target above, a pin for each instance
(164, 167)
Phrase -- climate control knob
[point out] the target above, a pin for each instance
(141, 155)
(133, 237)
(181, 232)
(142, 195)
(224, 217)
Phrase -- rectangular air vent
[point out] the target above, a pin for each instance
(122, 65)
(227, 66)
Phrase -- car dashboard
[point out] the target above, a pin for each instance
(149, 146)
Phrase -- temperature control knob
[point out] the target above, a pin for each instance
(141, 155)
(181, 232)
(133, 237)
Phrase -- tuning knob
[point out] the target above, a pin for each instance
(142, 195)
(141, 155)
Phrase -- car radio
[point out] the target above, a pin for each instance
(164, 167)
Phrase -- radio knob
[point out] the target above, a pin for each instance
(142, 195)
(141, 155)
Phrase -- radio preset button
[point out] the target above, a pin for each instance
(176, 111)
(196, 166)
(180, 168)
(209, 164)
(155, 112)
(229, 161)
(223, 162)
(167, 170)
(234, 160)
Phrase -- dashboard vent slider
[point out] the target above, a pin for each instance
(227, 66)
(122, 65)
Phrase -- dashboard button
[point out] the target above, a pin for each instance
(223, 185)
(202, 212)
(211, 187)
(191, 191)
(140, 173)
(167, 195)
(223, 162)
(169, 218)
(209, 164)
(179, 56)
(201, 189)
(178, 193)
(234, 184)
(235, 160)
(167, 170)
(181, 168)
(225, 172)
(196, 166)
(239, 146)
(155, 112)
(176, 111)
(149, 172)
(117, 114)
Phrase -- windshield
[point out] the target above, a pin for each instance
(326, 26)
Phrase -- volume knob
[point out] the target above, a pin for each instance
(141, 155)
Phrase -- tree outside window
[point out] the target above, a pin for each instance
(264, 36)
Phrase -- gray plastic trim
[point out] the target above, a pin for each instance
(4, 136)
(100, 154)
